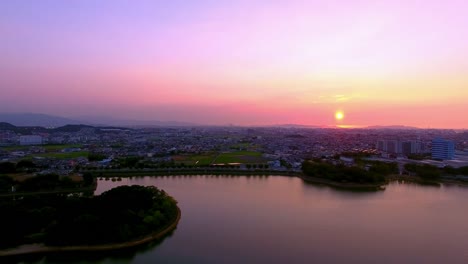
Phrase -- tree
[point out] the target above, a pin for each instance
(25, 164)
(7, 167)
(88, 178)
(5, 183)
(425, 171)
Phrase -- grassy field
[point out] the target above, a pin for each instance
(240, 157)
(203, 159)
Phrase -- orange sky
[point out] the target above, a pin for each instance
(240, 62)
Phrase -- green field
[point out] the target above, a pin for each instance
(203, 159)
(240, 157)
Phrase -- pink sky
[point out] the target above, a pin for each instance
(240, 62)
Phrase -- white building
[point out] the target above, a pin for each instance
(398, 147)
(30, 140)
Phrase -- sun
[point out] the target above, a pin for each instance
(339, 115)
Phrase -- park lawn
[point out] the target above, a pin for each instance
(240, 157)
(203, 159)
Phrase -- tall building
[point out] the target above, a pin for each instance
(398, 147)
(411, 147)
(443, 149)
(392, 146)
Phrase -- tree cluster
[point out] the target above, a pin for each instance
(43, 182)
(456, 171)
(425, 171)
(341, 173)
(118, 215)
(11, 167)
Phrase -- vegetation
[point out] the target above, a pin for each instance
(198, 159)
(5, 183)
(96, 156)
(419, 156)
(25, 164)
(44, 182)
(7, 167)
(240, 157)
(341, 173)
(121, 214)
(382, 168)
(456, 171)
(425, 171)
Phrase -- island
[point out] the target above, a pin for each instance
(371, 174)
(125, 216)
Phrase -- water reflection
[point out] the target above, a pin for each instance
(261, 219)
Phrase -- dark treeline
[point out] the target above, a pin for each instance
(43, 182)
(456, 171)
(118, 215)
(133, 162)
(425, 171)
(375, 172)
(430, 172)
(11, 167)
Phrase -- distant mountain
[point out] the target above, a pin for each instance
(393, 127)
(110, 121)
(6, 126)
(293, 126)
(21, 129)
(24, 130)
(30, 119)
(71, 128)
(51, 121)
(76, 128)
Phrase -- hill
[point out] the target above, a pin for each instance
(31, 120)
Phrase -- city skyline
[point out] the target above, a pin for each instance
(324, 63)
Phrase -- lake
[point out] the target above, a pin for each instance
(275, 219)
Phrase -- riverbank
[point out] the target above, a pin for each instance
(201, 171)
(419, 180)
(38, 249)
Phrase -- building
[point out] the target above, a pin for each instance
(411, 147)
(389, 146)
(443, 149)
(392, 146)
(30, 140)
(399, 147)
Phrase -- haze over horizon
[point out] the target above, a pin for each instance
(240, 62)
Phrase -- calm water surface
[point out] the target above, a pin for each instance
(284, 220)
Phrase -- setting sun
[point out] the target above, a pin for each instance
(339, 115)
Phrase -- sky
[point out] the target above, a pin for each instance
(244, 62)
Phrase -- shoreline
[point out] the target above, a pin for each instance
(133, 173)
(32, 249)
(415, 179)
(175, 172)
